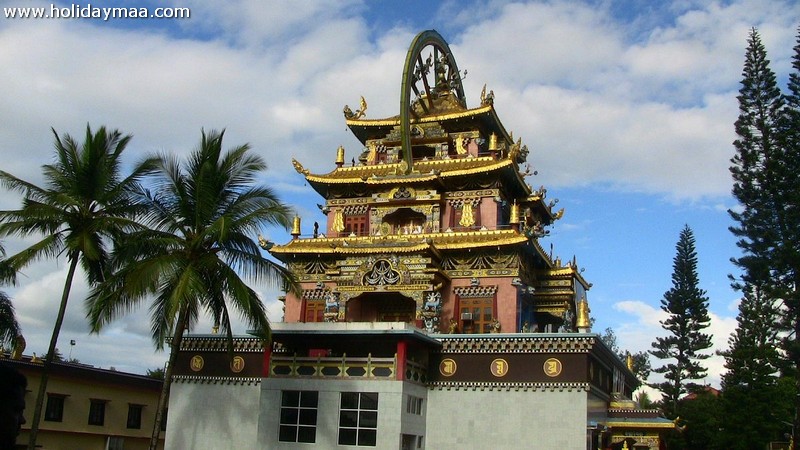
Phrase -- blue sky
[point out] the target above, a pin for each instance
(627, 107)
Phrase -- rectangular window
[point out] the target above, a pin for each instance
(97, 411)
(115, 443)
(54, 411)
(135, 416)
(477, 314)
(414, 405)
(298, 416)
(357, 225)
(358, 419)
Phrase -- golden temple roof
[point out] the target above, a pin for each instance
(401, 243)
(424, 170)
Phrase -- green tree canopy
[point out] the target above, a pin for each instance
(687, 308)
(202, 217)
(83, 207)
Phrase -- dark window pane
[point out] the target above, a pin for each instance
(288, 416)
(369, 400)
(349, 400)
(287, 433)
(307, 434)
(347, 436)
(309, 399)
(290, 398)
(348, 419)
(54, 411)
(308, 417)
(368, 419)
(367, 437)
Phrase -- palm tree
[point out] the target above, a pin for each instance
(9, 327)
(84, 205)
(201, 218)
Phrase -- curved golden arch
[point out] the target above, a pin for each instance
(422, 40)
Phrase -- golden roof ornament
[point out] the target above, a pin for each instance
(350, 115)
(340, 156)
(296, 227)
(493, 142)
(467, 218)
(514, 213)
(338, 221)
(629, 361)
(583, 323)
(19, 347)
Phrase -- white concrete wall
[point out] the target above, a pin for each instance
(506, 420)
(392, 419)
(212, 416)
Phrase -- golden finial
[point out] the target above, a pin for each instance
(583, 321)
(35, 359)
(340, 156)
(296, 227)
(629, 361)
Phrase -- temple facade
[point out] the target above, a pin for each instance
(429, 314)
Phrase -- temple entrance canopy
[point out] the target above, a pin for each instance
(381, 307)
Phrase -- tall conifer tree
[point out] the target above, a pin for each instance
(754, 407)
(687, 306)
(767, 185)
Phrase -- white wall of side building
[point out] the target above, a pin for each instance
(500, 419)
(393, 421)
(209, 416)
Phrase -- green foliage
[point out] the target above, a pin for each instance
(766, 184)
(687, 306)
(9, 326)
(157, 373)
(701, 414)
(83, 207)
(196, 248)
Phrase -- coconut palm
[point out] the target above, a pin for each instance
(9, 327)
(202, 216)
(84, 205)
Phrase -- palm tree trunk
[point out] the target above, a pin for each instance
(163, 400)
(51, 352)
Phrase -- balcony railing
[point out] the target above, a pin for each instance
(339, 367)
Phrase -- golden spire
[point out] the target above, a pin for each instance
(629, 361)
(296, 227)
(340, 156)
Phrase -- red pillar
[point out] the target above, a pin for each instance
(401, 361)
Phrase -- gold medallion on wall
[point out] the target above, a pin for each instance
(499, 367)
(196, 363)
(448, 367)
(552, 367)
